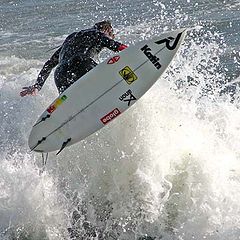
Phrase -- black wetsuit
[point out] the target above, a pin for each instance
(75, 57)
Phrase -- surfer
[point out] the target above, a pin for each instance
(75, 57)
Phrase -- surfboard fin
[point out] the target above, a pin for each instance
(38, 143)
(42, 120)
(64, 145)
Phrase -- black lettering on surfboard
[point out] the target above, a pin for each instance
(154, 59)
(128, 97)
(169, 41)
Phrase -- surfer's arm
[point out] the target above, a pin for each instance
(42, 76)
(112, 44)
(122, 47)
(46, 70)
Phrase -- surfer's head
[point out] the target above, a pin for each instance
(105, 27)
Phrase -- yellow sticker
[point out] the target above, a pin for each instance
(128, 75)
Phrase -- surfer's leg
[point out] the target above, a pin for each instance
(62, 77)
(81, 66)
(65, 75)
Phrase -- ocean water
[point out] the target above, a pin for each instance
(168, 168)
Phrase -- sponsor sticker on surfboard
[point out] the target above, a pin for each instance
(110, 116)
(128, 75)
(113, 60)
(128, 97)
(57, 103)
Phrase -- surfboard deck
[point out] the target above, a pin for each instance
(104, 93)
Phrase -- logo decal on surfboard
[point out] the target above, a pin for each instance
(113, 60)
(153, 58)
(110, 116)
(128, 75)
(128, 97)
(169, 40)
(57, 103)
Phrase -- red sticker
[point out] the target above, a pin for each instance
(110, 116)
(113, 60)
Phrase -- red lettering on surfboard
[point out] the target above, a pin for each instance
(110, 116)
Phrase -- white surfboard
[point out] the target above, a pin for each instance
(104, 93)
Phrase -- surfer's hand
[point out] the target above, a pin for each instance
(122, 47)
(31, 90)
